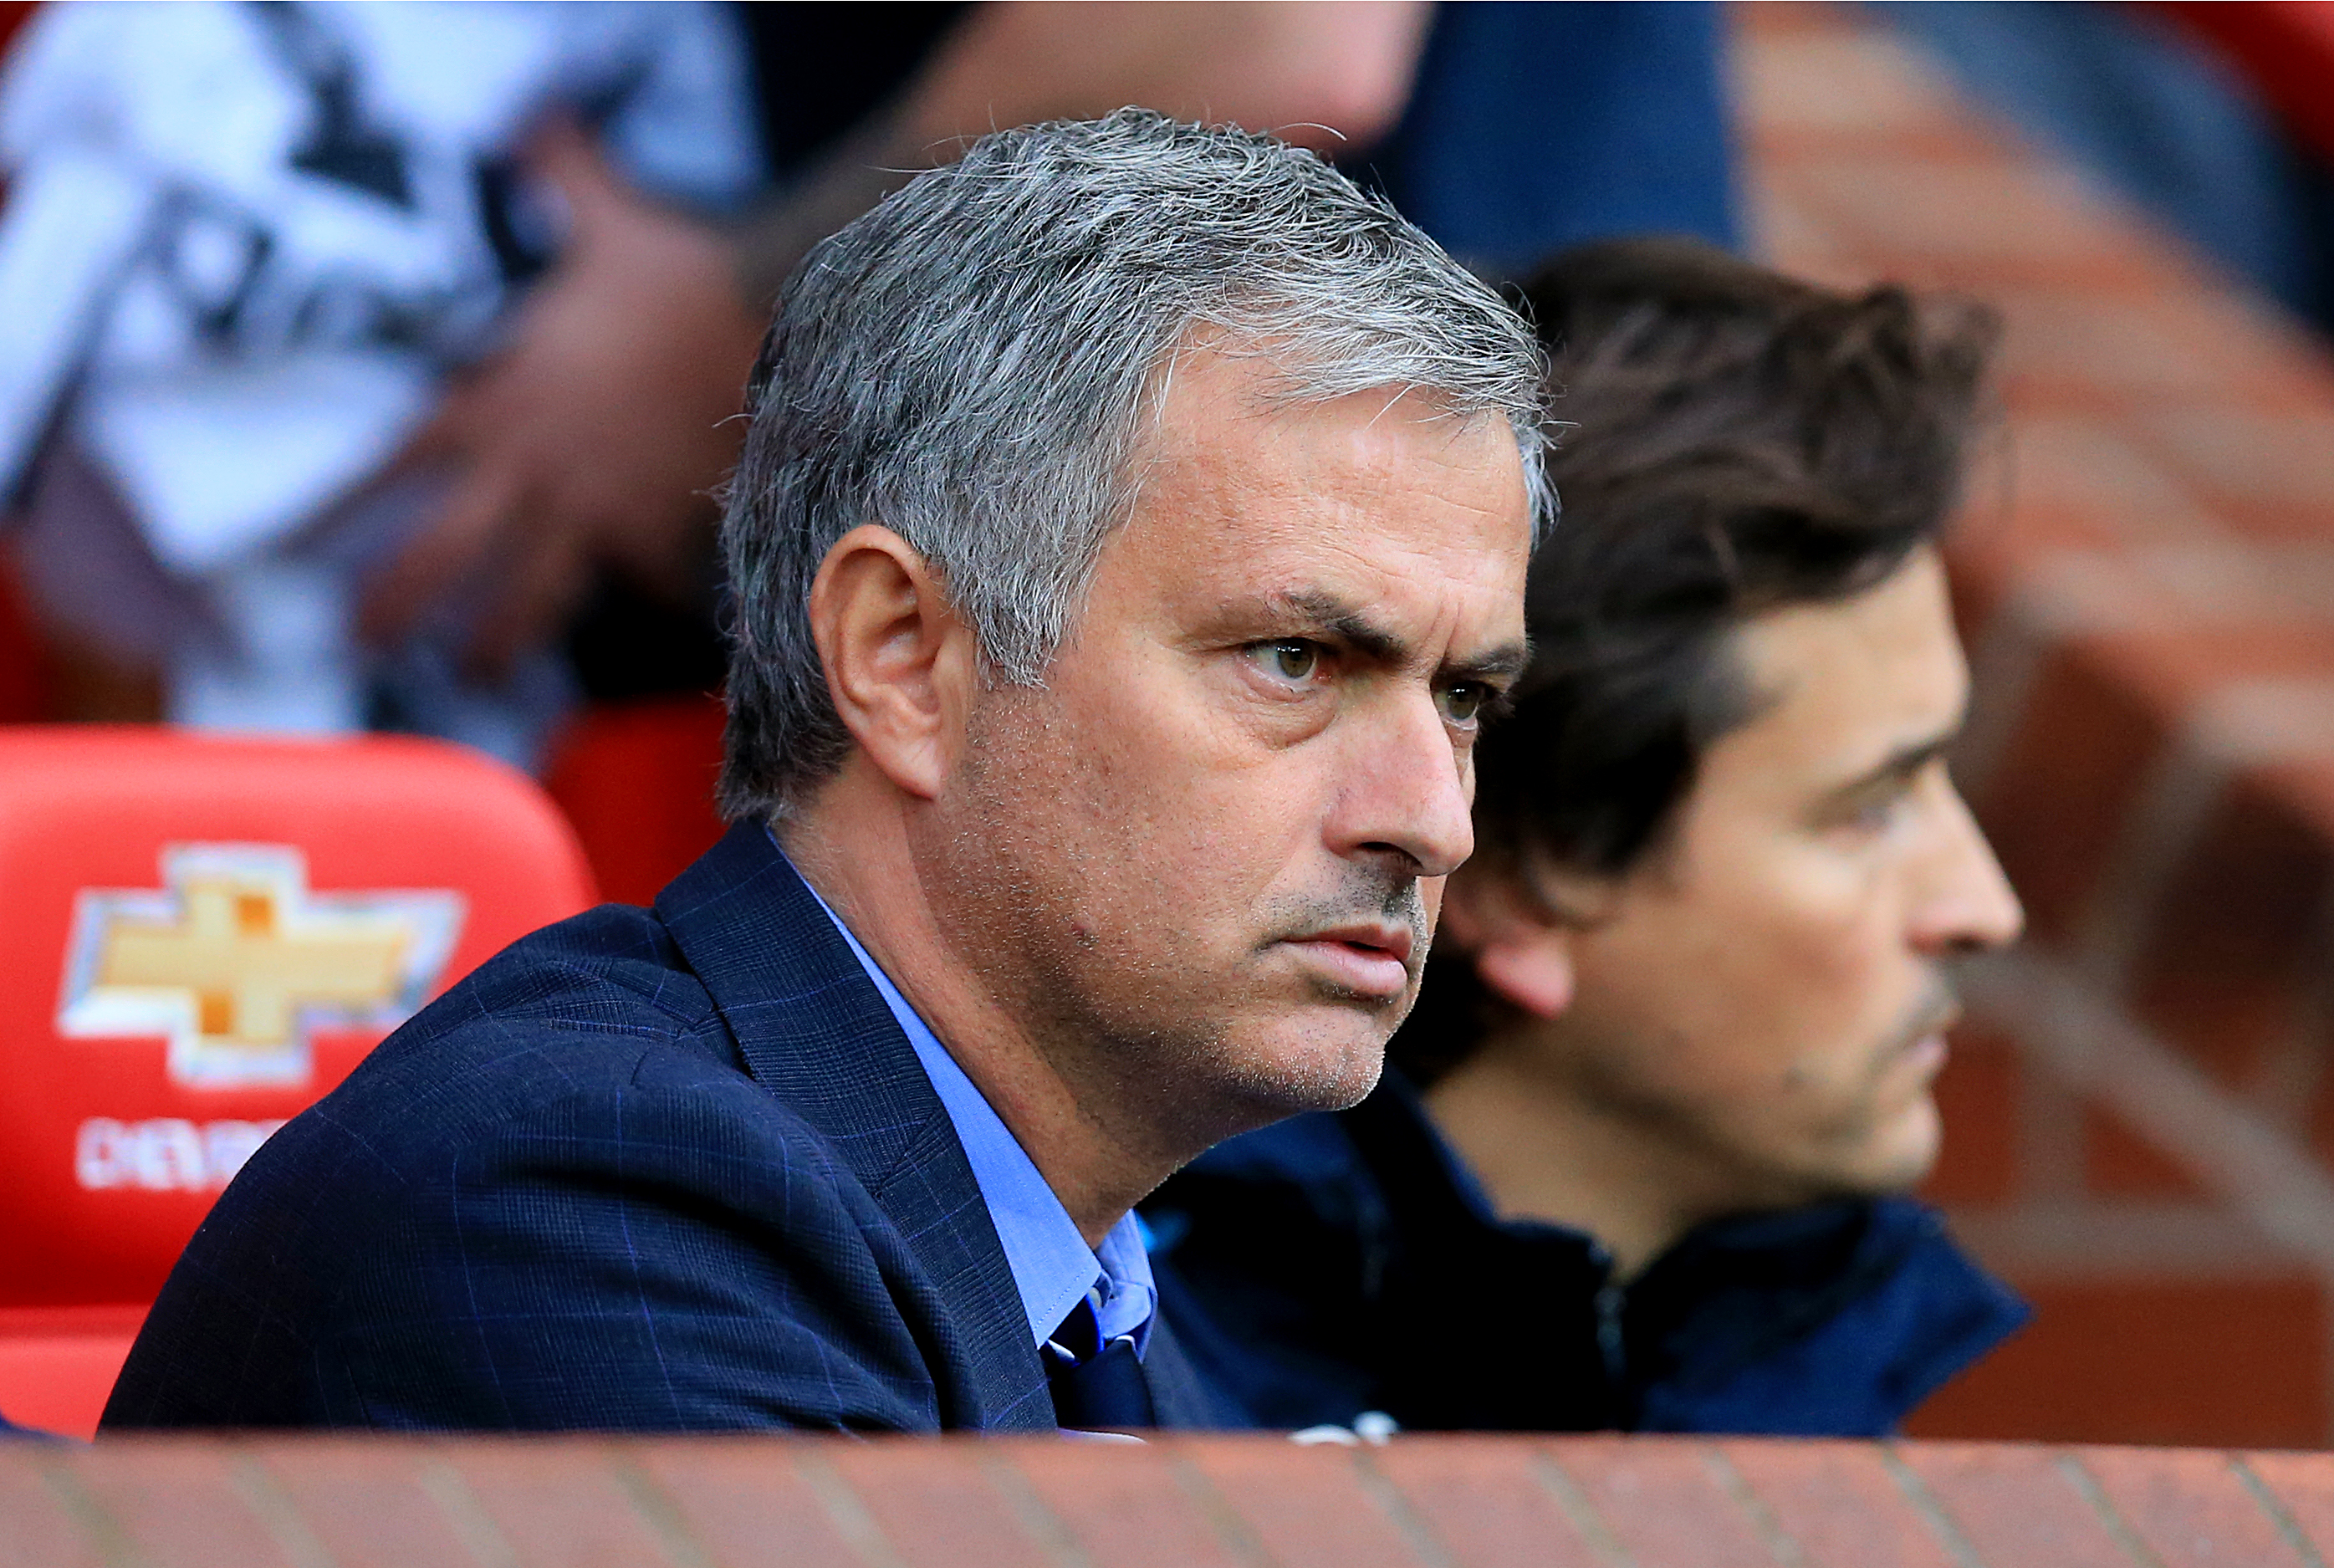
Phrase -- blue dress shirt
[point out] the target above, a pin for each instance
(1053, 1266)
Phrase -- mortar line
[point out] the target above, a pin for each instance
(668, 1524)
(1551, 1474)
(1426, 1542)
(2086, 1485)
(98, 1525)
(465, 1514)
(1031, 1511)
(1779, 1543)
(1930, 1507)
(1236, 1536)
(264, 1495)
(845, 1511)
(2279, 1514)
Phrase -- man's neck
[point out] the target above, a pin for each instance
(851, 846)
(1543, 1153)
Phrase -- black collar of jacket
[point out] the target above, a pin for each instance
(1725, 1296)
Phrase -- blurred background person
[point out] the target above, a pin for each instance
(1505, 130)
(1640, 1163)
(245, 246)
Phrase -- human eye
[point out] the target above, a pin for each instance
(1465, 703)
(1873, 812)
(1289, 660)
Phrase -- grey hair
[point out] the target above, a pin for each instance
(972, 364)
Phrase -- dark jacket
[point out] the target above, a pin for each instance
(668, 1170)
(1340, 1264)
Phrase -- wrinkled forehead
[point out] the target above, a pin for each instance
(1382, 495)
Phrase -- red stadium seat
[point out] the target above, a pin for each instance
(199, 937)
(636, 778)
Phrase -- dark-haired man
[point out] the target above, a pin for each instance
(1675, 1064)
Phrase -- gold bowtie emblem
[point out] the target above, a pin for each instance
(234, 960)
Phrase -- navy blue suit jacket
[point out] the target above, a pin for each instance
(644, 1171)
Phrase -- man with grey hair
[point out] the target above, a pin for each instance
(1129, 540)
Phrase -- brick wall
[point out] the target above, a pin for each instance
(1224, 1503)
(2137, 1121)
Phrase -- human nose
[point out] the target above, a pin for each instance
(1969, 905)
(1407, 795)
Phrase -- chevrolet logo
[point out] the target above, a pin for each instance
(234, 961)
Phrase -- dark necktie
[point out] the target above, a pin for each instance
(1096, 1387)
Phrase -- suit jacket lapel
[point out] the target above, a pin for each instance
(815, 1032)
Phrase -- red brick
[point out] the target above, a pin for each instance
(1959, 223)
(2117, 1162)
(2190, 1509)
(364, 1501)
(2272, 471)
(1466, 1500)
(2302, 1485)
(1839, 1502)
(2055, 800)
(2014, 1505)
(2135, 349)
(743, 1501)
(178, 1504)
(2095, 721)
(1977, 1100)
(2227, 991)
(1309, 1507)
(1664, 1502)
(34, 1526)
(1824, 87)
(1123, 1505)
(1790, 239)
(554, 1502)
(1776, 19)
(2103, 471)
(2239, 1364)
(1488, 1500)
(932, 1502)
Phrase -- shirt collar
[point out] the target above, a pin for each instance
(1053, 1268)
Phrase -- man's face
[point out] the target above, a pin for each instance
(1203, 861)
(1765, 995)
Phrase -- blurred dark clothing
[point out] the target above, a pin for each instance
(821, 69)
(1535, 126)
(1530, 127)
(1334, 1265)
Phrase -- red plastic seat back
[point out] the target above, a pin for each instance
(200, 936)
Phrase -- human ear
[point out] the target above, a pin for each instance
(1521, 951)
(898, 662)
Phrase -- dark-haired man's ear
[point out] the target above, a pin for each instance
(1520, 950)
(901, 666)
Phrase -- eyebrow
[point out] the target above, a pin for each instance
(1905, 761)
(1352, 625)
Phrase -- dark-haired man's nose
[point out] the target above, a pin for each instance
(1406, 795)
(1967, 905)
